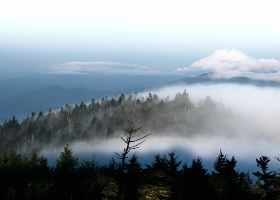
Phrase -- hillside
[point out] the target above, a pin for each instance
(108, 117)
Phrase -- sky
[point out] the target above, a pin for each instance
(161, 34)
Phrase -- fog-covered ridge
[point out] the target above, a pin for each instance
(107, 118)
(199, 119)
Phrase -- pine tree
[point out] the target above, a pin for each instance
(65, 170)
(159, 163)
(133, 177)
(225, 177)
(265, 178)
(158, 170)
(173, 163)
(67, 162)
(173, 174)
(196, 181)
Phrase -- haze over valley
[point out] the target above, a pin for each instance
(189, 107)
(139, 100)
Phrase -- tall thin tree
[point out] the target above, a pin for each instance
(131, 140)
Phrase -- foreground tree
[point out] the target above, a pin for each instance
(133, 177)
(65, 171)
(266, 179)
(225, 177)
(196, 182)
(132, 142)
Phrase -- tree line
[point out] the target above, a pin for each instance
(24, 174)
(106, 117)
(31, 177)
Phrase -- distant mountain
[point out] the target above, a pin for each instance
(22, 95)
(43, 99)
(206, 78)
(38, 92)
(114, 83)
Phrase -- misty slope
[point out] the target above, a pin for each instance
(108, 117)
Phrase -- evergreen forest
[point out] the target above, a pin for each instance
(25, 173)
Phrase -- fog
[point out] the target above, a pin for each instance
(256, 109)
(254, 130)
(251, 128)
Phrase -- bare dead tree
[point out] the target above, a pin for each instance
(132, 141)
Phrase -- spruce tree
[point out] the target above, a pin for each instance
(265, 178)
(225, 177)
(65, 170)
(133, 177)
(196, 181)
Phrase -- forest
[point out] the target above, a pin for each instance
(26, 173)
(30, 177)
(106, 118)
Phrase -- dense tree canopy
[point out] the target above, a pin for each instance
(24, 174)
(107, 118)
(30, 177)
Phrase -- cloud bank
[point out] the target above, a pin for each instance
(102, 67)
(250, 129)
(228, 63)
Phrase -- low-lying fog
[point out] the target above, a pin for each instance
(253, 131)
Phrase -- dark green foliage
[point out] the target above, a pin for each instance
(229, 183)
(67, 162)
(159, 163)
(196, 181)
(133, 178)
(266, 179)
(157, 172)
(225, 177)
(13, 175)
(29, 177)
(66, 172)
(172, 163)
(173, 174)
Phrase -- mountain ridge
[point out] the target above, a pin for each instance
(206, 78)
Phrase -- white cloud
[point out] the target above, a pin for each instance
(102, 67)
(227, 63)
